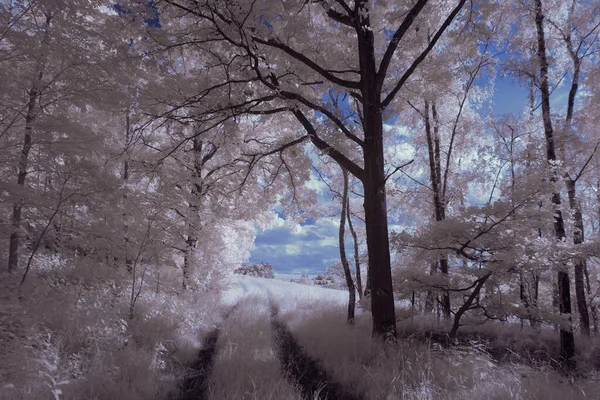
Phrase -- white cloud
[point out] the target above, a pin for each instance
(309, 247)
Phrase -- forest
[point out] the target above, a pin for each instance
(453, 145)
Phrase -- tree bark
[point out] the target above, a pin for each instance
(380, 271)
(578, 238)
(435, 172)
(567, 339)
(355, 245)
(343, 258)
(193, 217)
(128, 262)
(592, 304)
(13, 249)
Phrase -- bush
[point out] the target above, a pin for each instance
(261, 270)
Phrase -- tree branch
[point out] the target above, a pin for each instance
(322, 145)
(388, 99)
(393, 45)
(308, 62)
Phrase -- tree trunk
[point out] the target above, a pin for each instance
(13, 250)
(567, 339)
(467, 305)
(592, 304)
(343, 258)
(430, 299)
(190, 245)
(193, 218)
(355, 245)
(598, 203)
(578, 238)
(435, 171)
(128, 264)
(523, 296)
(380, 271)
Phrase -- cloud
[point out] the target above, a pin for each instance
(306, 248)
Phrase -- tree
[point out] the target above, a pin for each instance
(579, 34)
(53, 74)
(285, 70)
(34, 92)
(342, 244)
(567, 340)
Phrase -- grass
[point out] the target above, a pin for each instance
(416, 368)
(247, 366)
(67, 338)
(65, 335)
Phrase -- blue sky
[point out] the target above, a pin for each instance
(311, 247)
(298, 249)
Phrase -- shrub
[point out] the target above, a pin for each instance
(261, 270)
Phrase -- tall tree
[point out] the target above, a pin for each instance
(567, 339)
(288, 69)
(342, 246)
(579, 34)
(32, 110)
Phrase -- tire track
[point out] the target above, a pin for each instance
(302, 370)
(195, 384)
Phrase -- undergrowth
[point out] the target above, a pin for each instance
(65, 334)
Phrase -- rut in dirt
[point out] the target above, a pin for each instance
(195, 384)
(304, 371)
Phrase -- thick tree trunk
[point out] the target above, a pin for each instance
(343, 258)
(13, 249)
(355, 245)
(567, 339)
(380, 271)
(578, 238)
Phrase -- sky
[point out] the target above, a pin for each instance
(310, 248)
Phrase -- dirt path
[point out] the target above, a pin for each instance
(195, 384)
(258, 334)
(304, 371)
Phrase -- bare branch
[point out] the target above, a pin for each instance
(393, 45)
(407, 74)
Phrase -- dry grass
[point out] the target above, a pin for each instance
(416, 368)
(54, 347)
(247, 366)
(65, 335)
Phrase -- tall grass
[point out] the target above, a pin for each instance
(247, 366)
(419, 369)
(65, 335)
